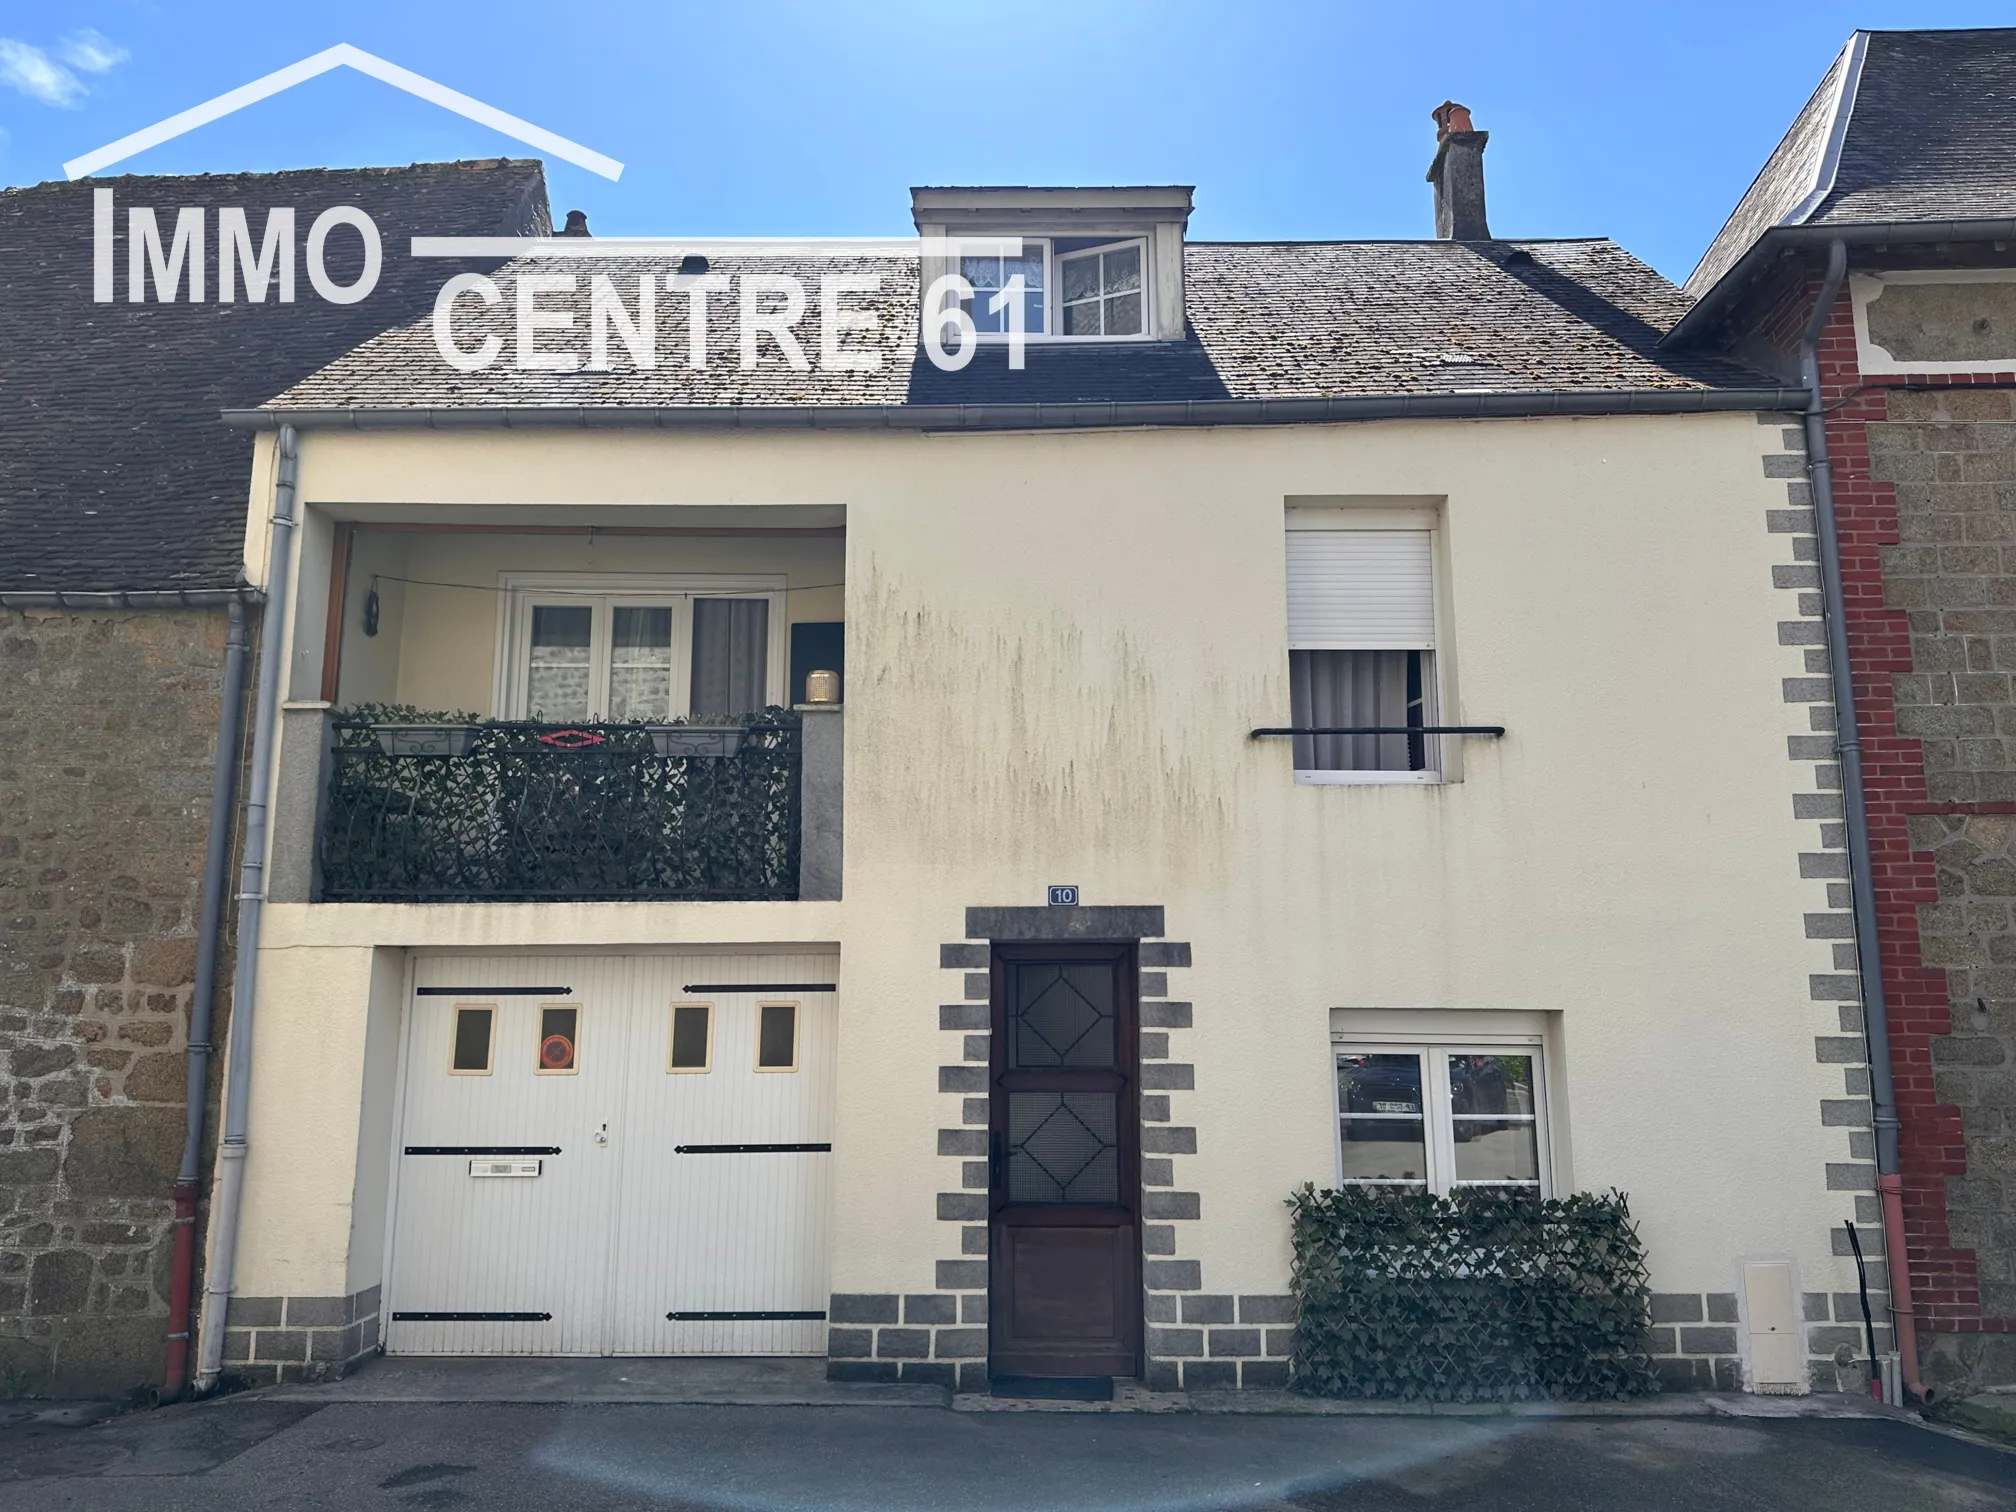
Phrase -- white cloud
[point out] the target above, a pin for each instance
(32, 72)
(91, 51)
(35, 74)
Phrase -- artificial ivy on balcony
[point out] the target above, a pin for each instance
(1484, 1295)
(515, 810)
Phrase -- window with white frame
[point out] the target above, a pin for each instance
(1361, 649)
(1439, 1117)
(991, 275)
(585, 646)
(1071, 286)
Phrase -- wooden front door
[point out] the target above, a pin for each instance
(1065, 1293)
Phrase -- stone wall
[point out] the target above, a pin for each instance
(1950, 458)
(270, 1341)
(1924, 472)
(1925, 497)
(107, 727)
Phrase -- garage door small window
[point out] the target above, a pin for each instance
(559, 1030)
(777, 1037)
(692, 1036)
(473, 1033)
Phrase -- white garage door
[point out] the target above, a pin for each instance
(615, 1155)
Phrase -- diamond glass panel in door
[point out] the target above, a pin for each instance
(1380, 1119)
(557, 689)
(1102, 293)
(1494, 1120)
(731, 656)
(1062, 1015)
(640, 664)
(1063, 1147)
(990, 275)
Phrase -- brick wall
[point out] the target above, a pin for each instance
(1925, 491)
(1949, 460)
(107, 723)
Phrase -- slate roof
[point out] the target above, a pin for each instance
(115, 472)
(1906, 126)
(1277, 320)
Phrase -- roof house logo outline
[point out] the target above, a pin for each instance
(343, 55)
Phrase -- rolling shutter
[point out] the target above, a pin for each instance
(1361, 589)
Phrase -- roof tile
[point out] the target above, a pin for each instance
(115, 471)
(1926, 139)
(1268, 320)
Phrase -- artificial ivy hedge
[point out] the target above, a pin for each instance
(540, 811)
(1485, 1295)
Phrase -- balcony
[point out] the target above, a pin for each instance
(640, 717)
(515, 811)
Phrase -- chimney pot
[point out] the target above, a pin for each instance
(1458, 175)
(1449, 116)
(577, 224)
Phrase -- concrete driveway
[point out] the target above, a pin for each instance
(302, 1453)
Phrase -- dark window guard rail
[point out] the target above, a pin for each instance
(526, 812)
(1492, 730)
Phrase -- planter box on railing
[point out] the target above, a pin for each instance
(426, 739)
(697, 740)
(520, 811)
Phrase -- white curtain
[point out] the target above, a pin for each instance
(1349, 688)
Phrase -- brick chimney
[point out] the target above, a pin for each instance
(1458, 175)
(577, 224)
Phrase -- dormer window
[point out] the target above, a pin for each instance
(1095, 264)
(1071, 286)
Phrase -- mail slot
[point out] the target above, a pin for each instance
(505, 1167)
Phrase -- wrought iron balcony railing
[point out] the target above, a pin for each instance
(505, 811)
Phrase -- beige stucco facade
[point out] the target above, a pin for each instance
(1057, 644)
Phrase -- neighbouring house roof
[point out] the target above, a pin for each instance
(114, 471)
(1277, 321)
(1906, 128)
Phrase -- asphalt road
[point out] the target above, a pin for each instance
(229, 1456)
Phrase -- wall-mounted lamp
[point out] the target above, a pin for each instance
(371, 609)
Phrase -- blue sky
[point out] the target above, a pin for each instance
(1294, 118)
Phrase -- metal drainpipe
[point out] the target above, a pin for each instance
(209, 938)
(251, 896)
(1861, 886)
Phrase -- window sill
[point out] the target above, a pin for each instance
(1367, 779)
